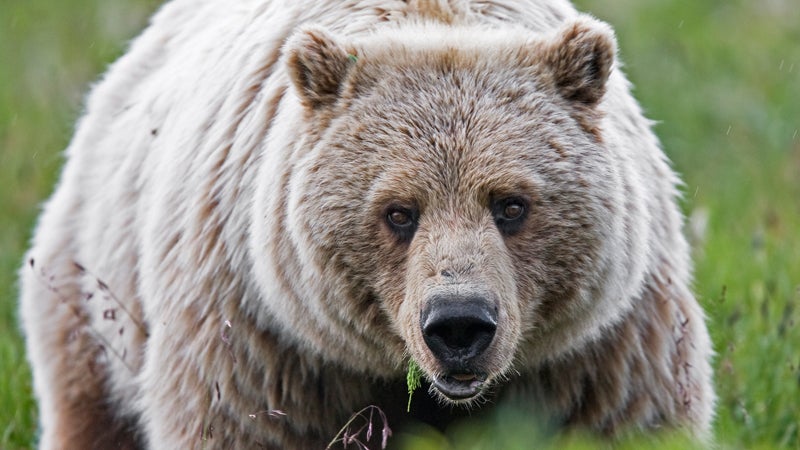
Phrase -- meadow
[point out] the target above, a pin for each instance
(720, 77)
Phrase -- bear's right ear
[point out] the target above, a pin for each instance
(317, 66)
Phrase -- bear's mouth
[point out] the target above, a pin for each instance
(460, 386)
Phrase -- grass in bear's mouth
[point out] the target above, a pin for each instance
(413, 380)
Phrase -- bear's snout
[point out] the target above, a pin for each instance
(457, 329)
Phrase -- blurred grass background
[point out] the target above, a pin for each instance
(721, 78)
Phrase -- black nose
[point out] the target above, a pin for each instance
(457, 329)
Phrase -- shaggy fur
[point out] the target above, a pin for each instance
(217, 247)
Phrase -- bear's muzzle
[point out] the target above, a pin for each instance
(458, 329)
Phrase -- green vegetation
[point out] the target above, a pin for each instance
(50, 52)
(413, 380)
(721, 78)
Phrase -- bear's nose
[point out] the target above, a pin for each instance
(457, 329)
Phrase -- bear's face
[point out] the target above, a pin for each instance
(459, 187)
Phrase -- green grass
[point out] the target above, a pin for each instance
(722, 78)
(50, 51)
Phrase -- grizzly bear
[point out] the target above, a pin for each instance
(270, 208)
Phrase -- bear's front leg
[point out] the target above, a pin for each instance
(212, 382)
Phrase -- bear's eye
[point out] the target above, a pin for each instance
(509, 214)
(402, 222)
(513, 211)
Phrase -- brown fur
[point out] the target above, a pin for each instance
(239, 285)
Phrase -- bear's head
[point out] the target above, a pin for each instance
(457, 192)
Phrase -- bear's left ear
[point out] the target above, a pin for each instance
(317, 66)
(580, 60)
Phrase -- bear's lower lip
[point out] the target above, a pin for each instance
(459, 386)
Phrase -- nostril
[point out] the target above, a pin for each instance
(458, 330)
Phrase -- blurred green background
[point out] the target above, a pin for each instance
(721, 78)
